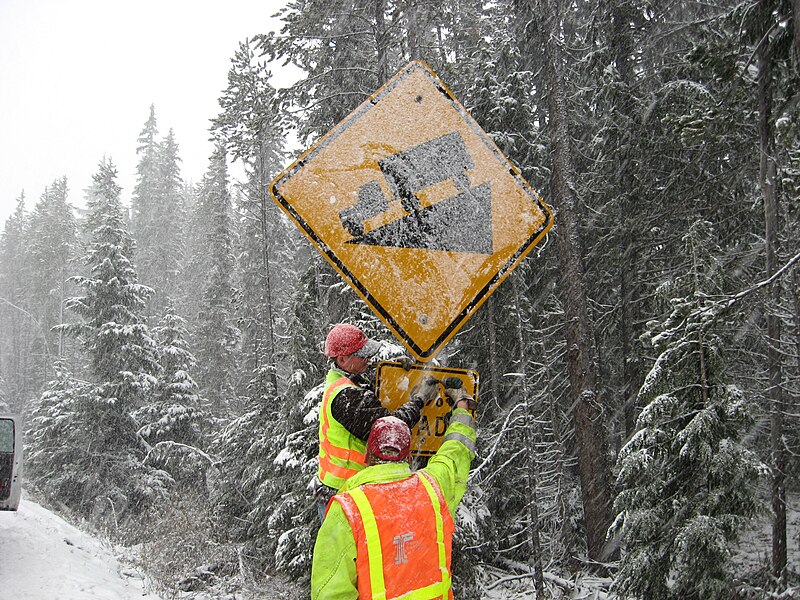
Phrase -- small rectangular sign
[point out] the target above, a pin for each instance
(394, 384)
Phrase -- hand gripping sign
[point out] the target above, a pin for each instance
(394, 384)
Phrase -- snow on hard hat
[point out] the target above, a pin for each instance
(346, 339)
(389, 439)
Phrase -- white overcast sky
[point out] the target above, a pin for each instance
(77, 78)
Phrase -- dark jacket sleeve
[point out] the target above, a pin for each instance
(357, 409)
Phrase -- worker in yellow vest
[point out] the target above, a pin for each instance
(388, 533)
(350, 407)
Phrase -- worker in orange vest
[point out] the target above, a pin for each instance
(389, 531)
(350, 407)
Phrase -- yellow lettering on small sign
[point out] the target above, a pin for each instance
(394, 384)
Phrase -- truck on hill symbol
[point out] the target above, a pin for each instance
(461, 223)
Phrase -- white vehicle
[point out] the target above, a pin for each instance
(10, 462)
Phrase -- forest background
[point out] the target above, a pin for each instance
(640, 371)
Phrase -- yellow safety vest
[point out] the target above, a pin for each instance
(341, 454)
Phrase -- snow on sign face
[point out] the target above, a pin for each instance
(414, 205)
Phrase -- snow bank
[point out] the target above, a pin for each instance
(43, 557)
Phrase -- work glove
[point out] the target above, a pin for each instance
(426, 391)
(454, 394)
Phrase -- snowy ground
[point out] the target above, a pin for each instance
(42, 557)
(754, 551)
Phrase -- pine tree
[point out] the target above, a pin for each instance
(172, 420)
(586, 389)
(751, 38)
(158, 213)
(146, 191)
(347, 50)
(248, 125)
(52, 247)
(268, 455)
(773, 53)
(59, 463)
(216, 333)
(112, 329)
(788, 140)
(165, 250)
(196, 259)
(123, 360)
(18, 324)
(687, 484)
(609, 75)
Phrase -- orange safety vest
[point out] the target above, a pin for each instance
(341, 454)
(403, 532)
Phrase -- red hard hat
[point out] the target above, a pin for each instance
(346, 339)
(389, 439)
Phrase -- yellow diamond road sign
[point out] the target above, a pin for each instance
(416, 207)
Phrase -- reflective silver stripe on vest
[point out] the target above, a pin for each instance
(465, 419)
(460, 437)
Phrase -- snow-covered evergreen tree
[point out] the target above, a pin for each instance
(51, 253)
(158, 214)
(146, 191)
(16, 321)
(293, 518)
(217, 336)
(197, 263)
(58, 443)
(248, 125)
(174, 412)
(123, 359)
(338, 45)
(167, 244)
(269, 454)
(687, 484)
(123, 354)
(172, 421)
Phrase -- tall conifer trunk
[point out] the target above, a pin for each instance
(412, 33)
(768, 181)
(381, 46)
(621, 40)
(593, 467)
(795, 394)
(534, 538)
(263, 191)
(796, 44)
